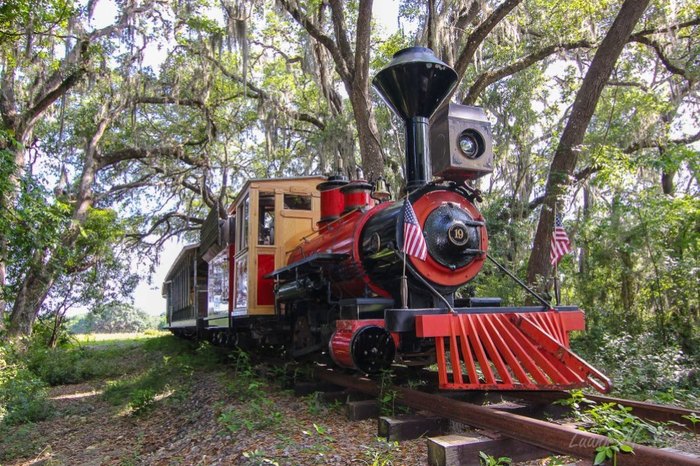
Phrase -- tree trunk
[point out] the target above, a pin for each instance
(55, 332)
(370, 149)
(667, 182)
(20, 120)
(3, 248)
(353, 68)
(566, 155)
(8, 201)
(583, 257)
(32, 293)
(42, 273)
(358, 90)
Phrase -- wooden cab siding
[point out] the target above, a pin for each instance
(254, 258)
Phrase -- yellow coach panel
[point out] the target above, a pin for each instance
(272, 216)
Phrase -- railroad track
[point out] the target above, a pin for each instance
(549, 436)
(641, 409)
(679, 418)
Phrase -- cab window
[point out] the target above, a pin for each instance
(297, 202)
(243, 215)
(266, 219)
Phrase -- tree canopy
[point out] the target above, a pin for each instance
(117, 137)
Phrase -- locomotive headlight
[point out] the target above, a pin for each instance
(471, 143)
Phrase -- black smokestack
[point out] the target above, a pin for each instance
(414, 85)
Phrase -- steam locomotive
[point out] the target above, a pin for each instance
(317, 265)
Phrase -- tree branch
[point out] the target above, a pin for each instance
(289, 60)
(467, 15)
(362, 42)
(167, 100)
(133, 153)
(55, 87)
(250, 90)
(489, 77)
(309, 119)
(256, 93)
(165, 219)
(341, 35)
(660, 53)
(139, 183)
(314, 31)
(480, 33)
(649, 143)
(672, 27)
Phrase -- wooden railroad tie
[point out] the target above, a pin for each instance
(463, 450)
(361, 410)
(411, 426)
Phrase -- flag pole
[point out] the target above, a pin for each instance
(404, 285)
(557, 291)
(404, 280)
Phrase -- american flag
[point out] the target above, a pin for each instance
(413, 241)
(560, 245)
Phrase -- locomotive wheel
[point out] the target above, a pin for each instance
(231, 339)
(301, 333)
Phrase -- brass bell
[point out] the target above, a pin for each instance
(380, 192)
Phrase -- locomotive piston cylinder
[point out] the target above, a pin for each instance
(363, 345)
(297, 289)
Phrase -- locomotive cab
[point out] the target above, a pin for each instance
(271, 216)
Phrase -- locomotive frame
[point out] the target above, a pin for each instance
(316, 265)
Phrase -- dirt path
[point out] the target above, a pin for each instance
(184, 427)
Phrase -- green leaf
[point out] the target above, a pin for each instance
(600, 457)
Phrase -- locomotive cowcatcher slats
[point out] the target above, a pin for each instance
(508, 351)
(494, 355)
(572, 362)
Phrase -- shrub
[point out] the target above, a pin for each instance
(57, 366)
(137, 389)
(115, 317)
(636, 363)
(142, 400)
(22, 393)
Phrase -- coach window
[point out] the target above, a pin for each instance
(242, 214)
(297, 202)
(218, 283)
(241, 298)
(266, 219)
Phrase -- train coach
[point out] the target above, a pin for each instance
(331, 266)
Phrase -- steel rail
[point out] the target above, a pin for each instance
(552, 437)
(641, 409)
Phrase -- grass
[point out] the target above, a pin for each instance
(27, 372)
(18, 441)
(167, 374)
(137, 372)
(108, 339)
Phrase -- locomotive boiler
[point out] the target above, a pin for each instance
(354, 287)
